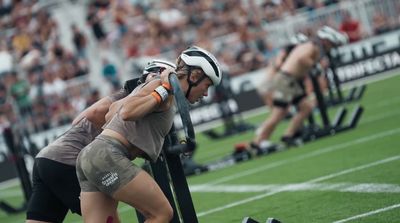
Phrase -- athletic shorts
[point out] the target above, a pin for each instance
(266, 85)
(55, 191)
(287, 90)
(104, 165)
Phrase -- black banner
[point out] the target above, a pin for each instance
(368, 66)
(211, 111)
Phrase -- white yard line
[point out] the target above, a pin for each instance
(278, 190)
(369, 213)
(305, 156)
(340, 187)
(379, 117)
(362, 167)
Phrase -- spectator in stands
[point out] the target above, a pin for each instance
(351, 27)
(52, 85)
(104, 168)
(41, 113)
(121, 10)
(93, 97)
(380, 23)
(94, 21)
(64, 112)
(110, 73)
(20, 92)
(5, 8)
(289, 88)
(80, 41)
(3, 94)
(6, 110)
(21, 41)
(55, 185)
(5, 58)
(78, 101)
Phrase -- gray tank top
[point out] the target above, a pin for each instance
(65, 148)
(148, 133)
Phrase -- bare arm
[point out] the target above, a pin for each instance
(278, 61)
(96, 112)
(141, 103)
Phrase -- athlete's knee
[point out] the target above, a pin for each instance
(165, 214)
(168, 213)
(307, 109)
(277, 117)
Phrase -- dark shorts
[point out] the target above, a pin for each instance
(55, 191)
(104, 165)
(287, 90)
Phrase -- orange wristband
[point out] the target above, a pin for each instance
(156, 96)
(167, 86)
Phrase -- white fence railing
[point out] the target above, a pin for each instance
(360, 10)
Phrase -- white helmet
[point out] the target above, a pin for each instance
(156, 64)
(298, 38)
(332, 35)
(198, 57)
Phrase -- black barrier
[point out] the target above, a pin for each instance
(168, 171)
(335, 93)
(368, 66)
(17, 157)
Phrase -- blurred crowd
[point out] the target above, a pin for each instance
(40, 79)
(231, 29)
(37, 74)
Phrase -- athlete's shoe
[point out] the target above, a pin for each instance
(272, 220)
(249, 220)
(264, 147)
(291, 141)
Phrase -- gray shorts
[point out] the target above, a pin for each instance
(104, 166)
(287, 90)
(266, 85)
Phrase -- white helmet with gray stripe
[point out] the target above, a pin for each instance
(298, 38)
(156, 64)
(332, 35)
(198, 57)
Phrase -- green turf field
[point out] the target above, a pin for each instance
(353, 176)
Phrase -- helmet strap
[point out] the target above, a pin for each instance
(193, 84)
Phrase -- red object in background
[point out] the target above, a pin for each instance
(352, 29)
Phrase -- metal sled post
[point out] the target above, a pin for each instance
(23, 174)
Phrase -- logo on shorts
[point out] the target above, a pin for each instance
(109, 179)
